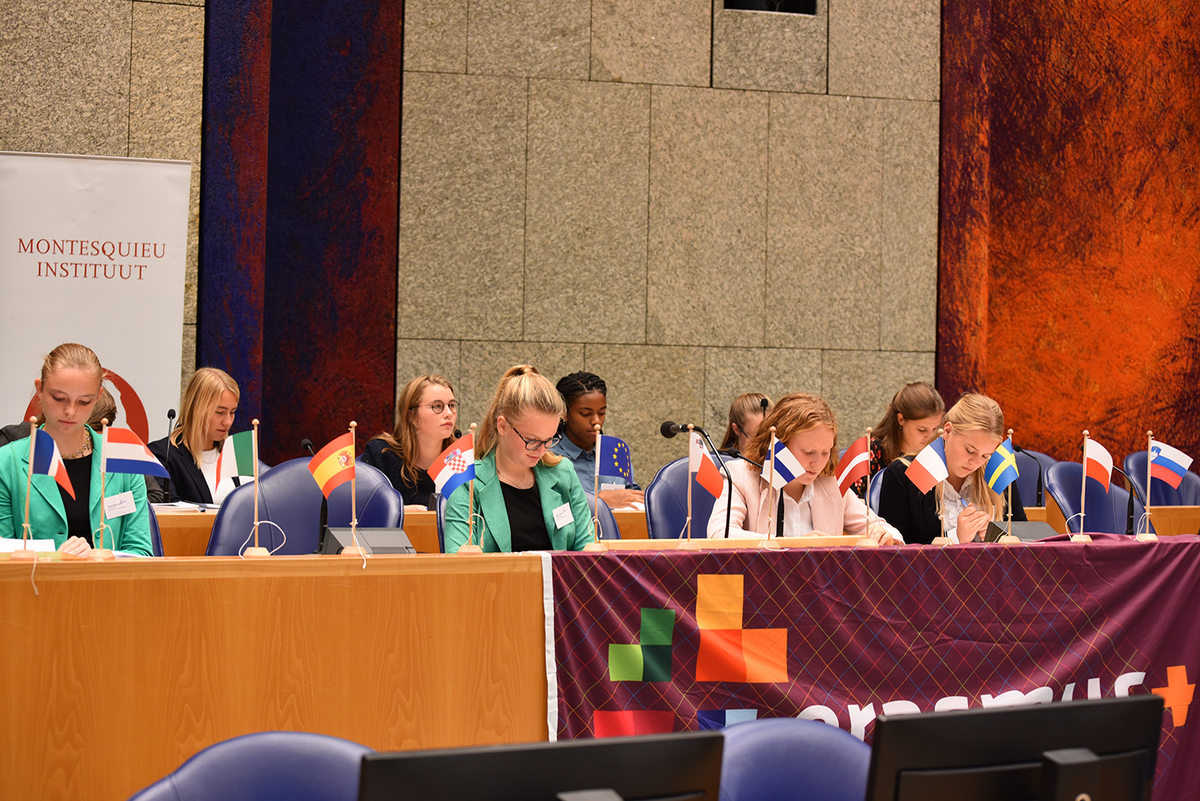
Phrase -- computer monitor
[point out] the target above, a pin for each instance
(1001, 754)
(663, 767)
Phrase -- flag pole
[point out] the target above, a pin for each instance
(1008, 489)
(867, 494)
(26, 555)
(355, 549)
(1081, 537)
(256, 551)
(1146, 536)
(770, 460)
(100, 554)
(595, 546)
(691, 433)
(939, 500)
(471, 547)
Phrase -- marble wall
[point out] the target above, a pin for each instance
(109, 78)
(688, 201)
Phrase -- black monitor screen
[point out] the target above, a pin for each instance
(1001, 754)
(668, 767)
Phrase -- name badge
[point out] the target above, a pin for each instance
(563, 516)
(607, 487)
(119, 505)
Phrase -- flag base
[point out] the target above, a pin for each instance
(1080, 538)
(1009, 539)
(940, 541)
(595, 547)
(354, 550)
(255, 553)
(694, 545)
(1145, 536)
(772, 544)
(23, 555)
(470, 549)
(99, 555)
(866, 542)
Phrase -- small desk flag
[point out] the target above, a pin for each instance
(786, 467)
(1168, 464)
(334, 464)
(1001, 469)
(124, 452)
(1097, 462)
(48, 461)
(612, 458)
(854, 464)
(707, 474)
(237, 457)
(454, 466)
(929, 468)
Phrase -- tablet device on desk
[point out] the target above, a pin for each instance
(1024, 530)
(372, 540)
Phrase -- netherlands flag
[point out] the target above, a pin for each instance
(455, 466)
(47, 461)
(124, 452)
(1168, 464)
(1097, 462)
(929, 468)
(854, 464)
(785, 467)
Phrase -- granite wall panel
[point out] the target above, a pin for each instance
(769, 51)
(534, 38)
(435, 35)
(885, 48)
(652, 41)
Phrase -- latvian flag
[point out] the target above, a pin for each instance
(47, 461)
(124, 452)
(1168, 464)
(929, 468)
(1097, 462)
(455, 466)
(785, 466)
(854, 464)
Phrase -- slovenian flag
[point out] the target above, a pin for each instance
(612, 458)
(1168, 464)
(48, 461)
(785, 467)
(333, 465)
(1097, 462)
(455, 466)
(854, 464)
(124, 452)
(236, 459)
(929, 468)
(1001, 469)
(707, 474)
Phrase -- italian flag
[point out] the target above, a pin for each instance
(237, 457)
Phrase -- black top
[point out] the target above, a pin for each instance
(391, 465)
(525, 521)
(79, 516)
(187, 480)
(914, 514)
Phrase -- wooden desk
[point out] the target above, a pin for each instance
(184, 532)
(1170, 521)
(117, 672)
(421, 528)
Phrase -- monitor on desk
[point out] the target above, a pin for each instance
(666, 767)
(1105, 748)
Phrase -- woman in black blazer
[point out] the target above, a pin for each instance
(191, 451)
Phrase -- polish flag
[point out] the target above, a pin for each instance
(1097, 462)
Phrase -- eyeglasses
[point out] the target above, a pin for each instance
(437, 407)
(534, 444)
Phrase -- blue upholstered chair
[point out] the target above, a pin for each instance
(781, 759)
(289, 497)
(666, 502)
(155, 534)
(608, 523)
(1106, 513)
(876, 488)
(265, 766)
(1161, 493)
(1032, 467)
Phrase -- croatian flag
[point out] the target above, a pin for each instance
(48, 461)
(854, 464)
(1168, 464)
(1097, 462)
(124, 452)
(929, 468)
(785, 466)
(455, 466)
(707, 474)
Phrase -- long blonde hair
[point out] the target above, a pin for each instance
(403, 439)
(71, 355)
(976, 412)
(521, 389)
(793, 414)
(200, 400)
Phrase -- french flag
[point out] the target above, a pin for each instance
(455, 466)
(1097, 462)
(124, 452)
(1168, 464)
(47, 461)
(929, 468)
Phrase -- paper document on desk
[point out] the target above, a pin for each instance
(8, 545)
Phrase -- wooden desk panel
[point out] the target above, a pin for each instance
(184, 532)
(118, 672)
(1171, 521)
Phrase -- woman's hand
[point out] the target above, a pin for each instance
(880, 534)
(75, 546)
(971, 523)
(622, 498)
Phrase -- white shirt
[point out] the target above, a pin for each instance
(797, 515)
(952, 506)
(208, 466)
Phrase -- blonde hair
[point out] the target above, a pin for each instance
(402, 441)
(521, 389)
(742, 407)
(914, 401)
(200, 399)
(71, 356)
(793, 414)
(976, 412)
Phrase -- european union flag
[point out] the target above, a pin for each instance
(612, 458)
(1002, 467)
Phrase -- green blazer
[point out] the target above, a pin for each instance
(556, 485)
(48, 519)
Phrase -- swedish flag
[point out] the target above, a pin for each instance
(1001, 469)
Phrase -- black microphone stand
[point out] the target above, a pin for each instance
(669, 429)
(1133, 493)
(307, 445)
(167, 455)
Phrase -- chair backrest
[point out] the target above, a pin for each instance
(1106, 512)
(268, 765)
(155, 534)
(1162, 493)
(608, 523)
(440, 505)
(288, 497)
(380, 505)
(873, 494)
(666, 502)
(1031, 469)
(787, 758)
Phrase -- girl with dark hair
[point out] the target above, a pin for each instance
(909, 424)
(586, 399)
(745, 414)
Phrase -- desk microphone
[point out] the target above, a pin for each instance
(307, 445)
(167, 455)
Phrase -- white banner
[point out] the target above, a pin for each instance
(93, 250)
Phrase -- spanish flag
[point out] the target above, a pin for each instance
(334, 464)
